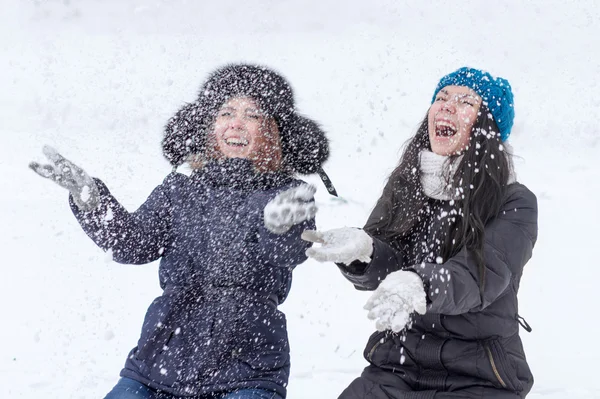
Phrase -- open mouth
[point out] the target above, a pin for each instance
(236, 142)
(445, 129)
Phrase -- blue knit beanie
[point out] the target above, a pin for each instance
(496, 92)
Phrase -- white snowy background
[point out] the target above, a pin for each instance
(98, 79)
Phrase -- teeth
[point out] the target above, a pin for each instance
(236, 141)
(445, 124)
(444, 129)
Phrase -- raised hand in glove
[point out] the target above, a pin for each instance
(68, 175)
(399, 295)
(290, 207)
(343, 245)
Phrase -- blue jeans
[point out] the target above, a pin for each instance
(127, 388)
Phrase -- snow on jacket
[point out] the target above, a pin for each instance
(216, 327)
(468, 341)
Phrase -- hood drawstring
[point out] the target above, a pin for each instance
(327, 182)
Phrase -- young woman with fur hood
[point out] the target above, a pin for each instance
(228, 238)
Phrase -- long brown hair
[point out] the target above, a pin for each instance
(482, 178)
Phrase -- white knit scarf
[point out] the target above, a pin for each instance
(436, 173)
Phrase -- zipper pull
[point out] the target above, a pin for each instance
(524, 323)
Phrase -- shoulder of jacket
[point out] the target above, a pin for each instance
(289, 183)
(519, 196)
(269, 193)
(174, 182)
(175, 177)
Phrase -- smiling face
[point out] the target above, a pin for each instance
(451, 118)
(242, 130)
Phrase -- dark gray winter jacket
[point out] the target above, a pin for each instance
(216, 327)
(468, 341)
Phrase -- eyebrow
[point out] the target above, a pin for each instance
(230, 108)
(460, 95)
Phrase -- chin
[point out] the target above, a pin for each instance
(444, 151)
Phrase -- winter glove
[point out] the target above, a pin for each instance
(68, 175)
(391, 304)
(344, 245)
(290, 207)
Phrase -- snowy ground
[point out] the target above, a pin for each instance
(98, 79)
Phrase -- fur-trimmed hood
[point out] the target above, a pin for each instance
(304, 144)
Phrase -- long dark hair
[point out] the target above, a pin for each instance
(481, 179)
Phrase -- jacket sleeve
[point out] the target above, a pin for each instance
(284, 250)
(280, 250)
(454, 287)
(134, 238)
(367, 276)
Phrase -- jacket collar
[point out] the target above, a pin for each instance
(239, 174)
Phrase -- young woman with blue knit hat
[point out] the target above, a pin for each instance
(227, 236)
(444, 250)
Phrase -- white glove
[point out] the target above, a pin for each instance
(399, 294)
(344, 245)
(290, 207)
(70, 176)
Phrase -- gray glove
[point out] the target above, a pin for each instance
(68, 175)
(290, 207)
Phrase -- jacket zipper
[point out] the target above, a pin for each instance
(489, 352)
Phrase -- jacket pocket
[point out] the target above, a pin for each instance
(503, 374)
(260, 338)
(375, 340)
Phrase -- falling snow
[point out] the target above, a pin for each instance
(86, 77)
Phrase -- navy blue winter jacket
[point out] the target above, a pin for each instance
(216, 327)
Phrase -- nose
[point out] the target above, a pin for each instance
(449, 106)
(236, 123)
